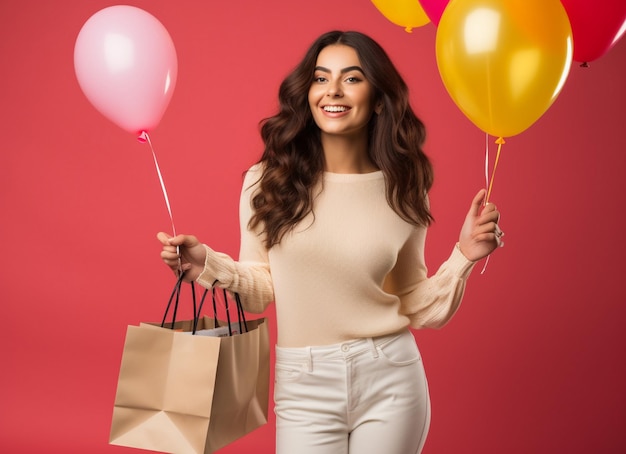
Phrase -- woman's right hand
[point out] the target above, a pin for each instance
(183, 252)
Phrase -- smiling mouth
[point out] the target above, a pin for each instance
(335, 108)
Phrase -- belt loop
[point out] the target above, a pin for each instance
(310, 359)
(373, 347)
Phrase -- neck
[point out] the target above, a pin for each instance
(346, 154)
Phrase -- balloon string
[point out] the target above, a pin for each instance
(144, 137)
(486, 185)
(489, 181)
(486, 163)
(500, 142)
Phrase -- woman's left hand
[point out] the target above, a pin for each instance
(480, 234)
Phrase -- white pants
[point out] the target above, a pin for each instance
(367, 396)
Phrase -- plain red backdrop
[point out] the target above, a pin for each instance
(532, 363)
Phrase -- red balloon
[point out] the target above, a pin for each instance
(434, 9)
(596, 26)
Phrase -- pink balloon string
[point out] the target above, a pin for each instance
(145, 138)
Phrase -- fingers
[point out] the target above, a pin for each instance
(182, 252)
(187, 241)
(178, 240)
(164, 238)
(486, 227)
(487, 231)
(168, 240)
(492, 232)
(480, 234)
(477, 203)
(169, 248)
(170, 254)
(493, 218)
(489, 214)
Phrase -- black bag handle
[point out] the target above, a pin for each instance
(175, 297)
(241, 316)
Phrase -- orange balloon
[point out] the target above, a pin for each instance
(406, 13)
(504, 62)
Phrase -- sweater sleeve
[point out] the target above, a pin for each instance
(428, 302)
(250, 276)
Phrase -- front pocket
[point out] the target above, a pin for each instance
(400, 351)
(289, 371)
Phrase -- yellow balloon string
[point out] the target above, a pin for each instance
(500, 141)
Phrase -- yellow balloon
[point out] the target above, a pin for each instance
(406, 13)
(504, 62)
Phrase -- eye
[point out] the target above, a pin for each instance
(353, 79)
(319, 79)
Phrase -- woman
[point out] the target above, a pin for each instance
(333, 223)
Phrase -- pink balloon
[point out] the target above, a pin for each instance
(596, 26)
(434, 9)
(126, 65)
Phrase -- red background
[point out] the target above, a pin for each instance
(532, 363)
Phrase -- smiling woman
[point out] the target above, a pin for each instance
(343, 168)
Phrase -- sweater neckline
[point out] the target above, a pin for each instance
(347, 177)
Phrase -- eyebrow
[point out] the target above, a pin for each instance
(343, 71)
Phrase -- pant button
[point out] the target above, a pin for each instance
(345, 348)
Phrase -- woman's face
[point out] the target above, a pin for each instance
(340, 97)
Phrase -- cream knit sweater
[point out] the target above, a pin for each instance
(353, 269)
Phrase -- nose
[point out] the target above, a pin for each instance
(334, 90)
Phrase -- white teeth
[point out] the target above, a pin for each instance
(335, 108)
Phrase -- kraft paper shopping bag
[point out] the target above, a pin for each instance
(183, 393)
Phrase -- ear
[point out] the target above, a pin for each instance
(378, 108)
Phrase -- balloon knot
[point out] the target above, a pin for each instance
(143, 137)
(584, 65)
(408, 29)
(500, 141)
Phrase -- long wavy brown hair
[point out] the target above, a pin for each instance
(293, 159)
